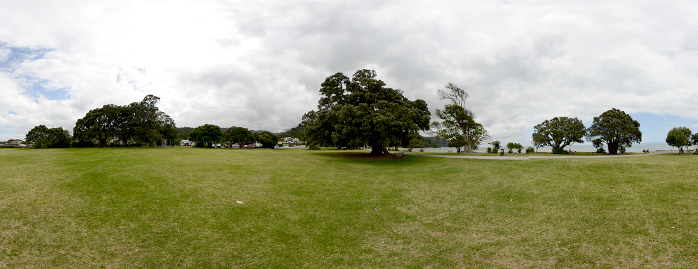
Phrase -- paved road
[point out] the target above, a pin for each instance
(539, 156)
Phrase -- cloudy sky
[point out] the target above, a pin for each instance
(259, 64)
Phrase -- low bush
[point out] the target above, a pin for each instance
(560, 151)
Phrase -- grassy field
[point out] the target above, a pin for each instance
(178, 208)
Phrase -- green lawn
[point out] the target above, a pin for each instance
(177, 208)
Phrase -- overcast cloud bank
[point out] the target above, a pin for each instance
(260, 64)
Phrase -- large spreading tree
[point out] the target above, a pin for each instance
(458, 125)
(616, 129)
(206, 135)
(140, 121)
(558, 133)
(238, 135)
(99, 124)
(361, 110)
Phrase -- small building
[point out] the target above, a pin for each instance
(289, 142)
(12, 142)
(187, 143)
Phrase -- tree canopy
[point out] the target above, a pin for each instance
(99, 124)
(43, 137)
(679, 137)
(267, 139)
(558, 133)
(514, 146)
(363, 111)
(141, 122)
(458, 125)
(236, 135)
(206, 135)
(495, 146)
(148, 124)
(616, 129)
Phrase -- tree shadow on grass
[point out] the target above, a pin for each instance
(367, 158)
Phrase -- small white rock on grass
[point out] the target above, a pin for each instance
(239, 202)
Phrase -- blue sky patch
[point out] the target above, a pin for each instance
(32, 86)
(655, 127)
(18, 55)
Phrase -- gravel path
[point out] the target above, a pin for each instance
(539, 156)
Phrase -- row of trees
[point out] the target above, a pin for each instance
(354, 112)
(511, 146)
(359, 111)
(681, 137)
(614, 128)
(209, 135)
(139, 122)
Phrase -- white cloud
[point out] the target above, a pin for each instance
(260, 64)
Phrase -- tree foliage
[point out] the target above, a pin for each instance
(495, 146)
(458, 125)
(361, 110)
(679, 137)
(558, 133)
(98, 124)
(44, 137)
(511, 146)
(616, 129)
(149, 125)
(141, 122)
(206, 135)
(237, 135)
(694, 140)
(267, 139)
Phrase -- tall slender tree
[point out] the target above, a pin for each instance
(458, 123)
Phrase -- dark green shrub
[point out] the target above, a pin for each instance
(560, 151)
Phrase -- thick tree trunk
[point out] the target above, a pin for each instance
(612, 148)
(377, 149)
(467, 148)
